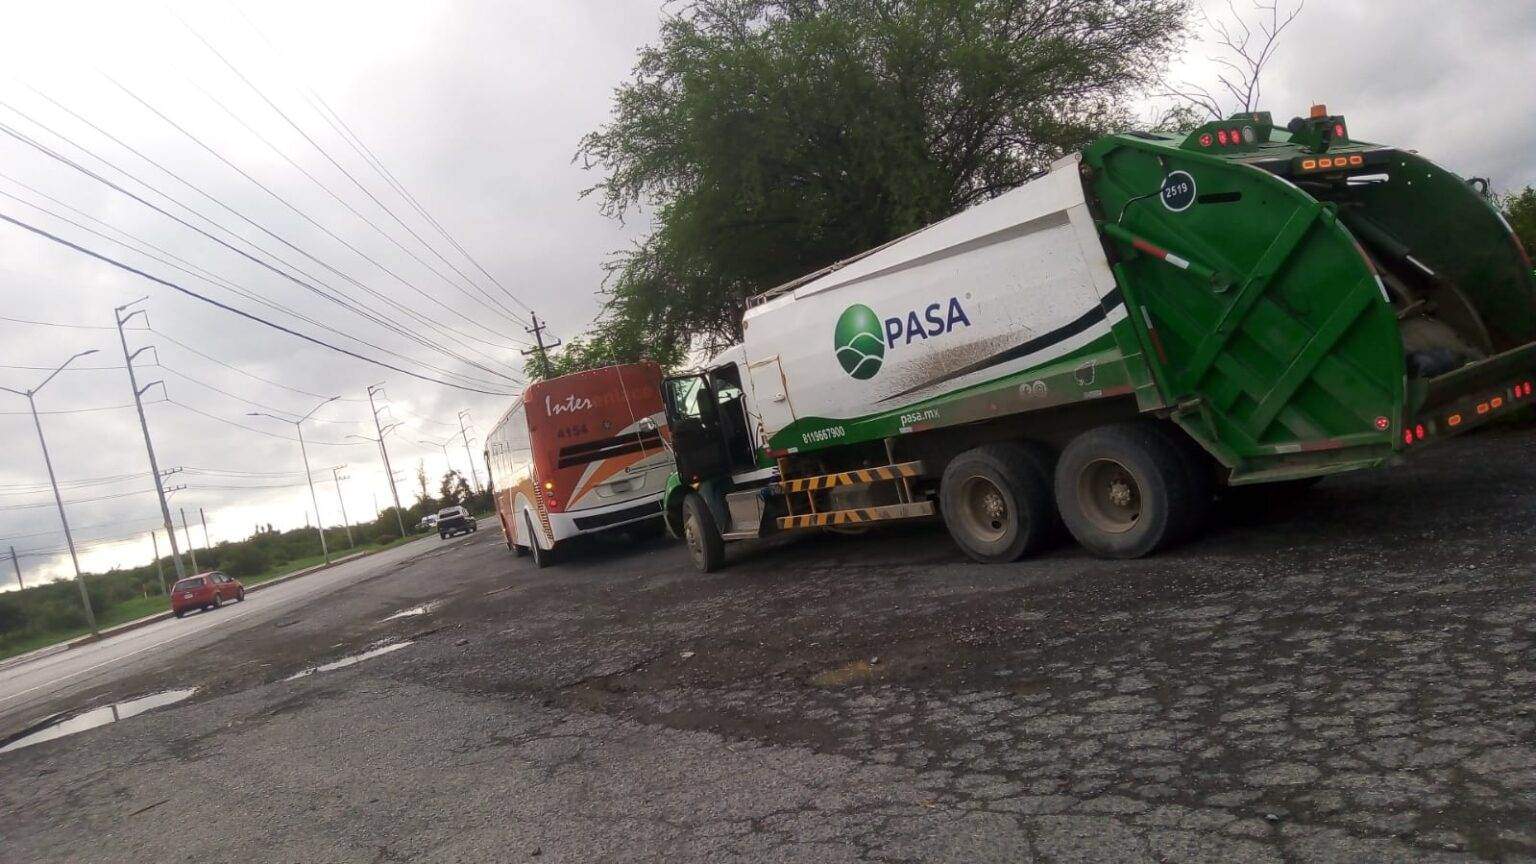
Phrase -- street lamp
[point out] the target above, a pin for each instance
(85, 597)
(385, 430)
(298, 426)
(443, 445)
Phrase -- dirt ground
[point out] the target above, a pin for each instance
(1348, 675)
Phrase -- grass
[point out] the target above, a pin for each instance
(139, 607)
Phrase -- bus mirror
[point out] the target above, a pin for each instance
(648, 425)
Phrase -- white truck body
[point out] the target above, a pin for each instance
(1003, 287)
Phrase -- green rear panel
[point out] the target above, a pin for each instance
(1283, 363)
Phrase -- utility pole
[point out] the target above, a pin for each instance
(542, 350)
(159, 568)
(384, 451)
(138, 401)
(85, 597)
(298, 426)
(336, 475)
(207, 544)
(191, 550)
(17, 564)
(475, 475)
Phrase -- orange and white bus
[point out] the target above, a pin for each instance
(579, 454)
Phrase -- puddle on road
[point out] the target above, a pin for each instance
(349, 661)
(99, 717)
(414, 611)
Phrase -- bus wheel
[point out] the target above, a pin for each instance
(541, 557)
(1123, 490)
(704, 544)
(996, 501)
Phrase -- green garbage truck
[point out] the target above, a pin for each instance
(1109, 345)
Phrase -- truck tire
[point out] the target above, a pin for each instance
(701, 535)
(1123, 490)
(541, 557)
(1199, 476)
(996, 501)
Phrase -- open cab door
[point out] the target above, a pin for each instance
(697, 443)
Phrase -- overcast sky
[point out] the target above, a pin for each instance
(476, 108)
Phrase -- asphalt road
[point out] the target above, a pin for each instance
(1346, 677)
(63, 676)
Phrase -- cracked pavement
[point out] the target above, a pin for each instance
(1344, 677)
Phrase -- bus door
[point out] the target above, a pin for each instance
(694, 418)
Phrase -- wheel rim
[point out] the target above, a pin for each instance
(985, 511)
(1110, 496)
(691, 535)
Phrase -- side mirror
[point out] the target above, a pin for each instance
(648, 424)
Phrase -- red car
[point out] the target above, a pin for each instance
(204, 591)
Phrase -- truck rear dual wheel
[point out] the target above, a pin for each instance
(1125, 490)
(996, 501)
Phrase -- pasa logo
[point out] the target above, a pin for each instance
(862, 338)
(859, 345)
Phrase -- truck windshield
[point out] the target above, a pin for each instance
(685, 396)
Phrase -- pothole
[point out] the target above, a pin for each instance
(71, 724)
(414, 611)
(350, 661)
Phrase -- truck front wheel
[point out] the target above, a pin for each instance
(996, 501)
(704, 544)
(1123, 490)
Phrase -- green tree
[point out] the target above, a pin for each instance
(454, 489)
(770, 138)
(1520, 209)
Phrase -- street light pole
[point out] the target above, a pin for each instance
(340, 499)
(149, 446)
(384, 451)
(16, 562)
(85, 597)
(474, 475)
(159, 568)
(191, 549)
(298, 426)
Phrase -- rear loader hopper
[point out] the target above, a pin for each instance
(1109, 344)
(1319, 303)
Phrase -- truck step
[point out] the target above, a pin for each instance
(859, 515)
(852, 478)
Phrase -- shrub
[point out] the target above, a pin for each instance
(385, 539)
(246, 559)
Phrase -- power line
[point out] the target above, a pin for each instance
(60, 323)
(190, 268)
(342, 300)
(423, 320)
(80, 410)
(200, 273)
(8, 507)
(240, 425)
(37, 488)
(374, 225)
(222, 471)
(242, 313)
(204, 384)
(113, 524)
(184, 346)
(370, 159)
